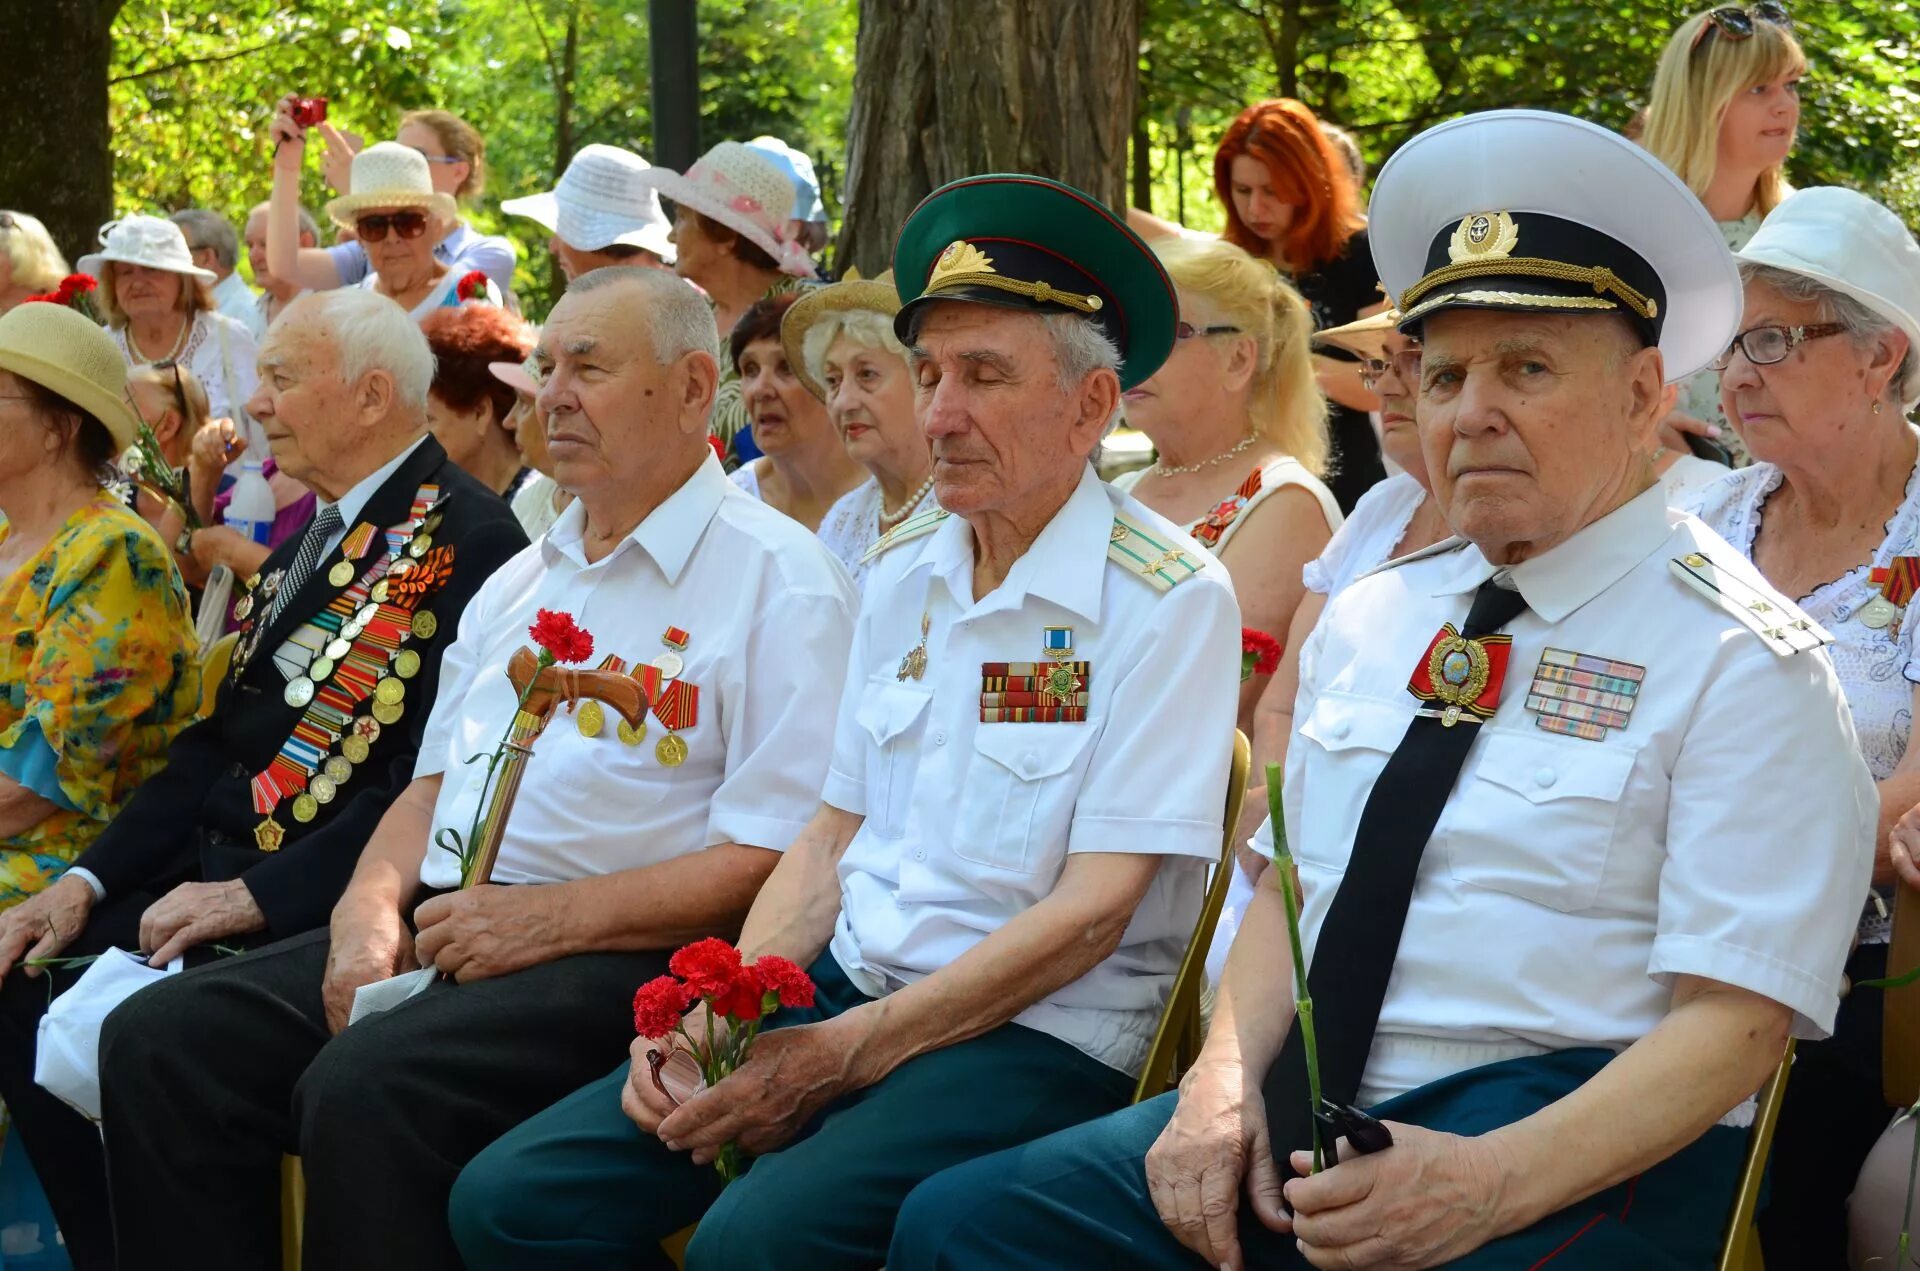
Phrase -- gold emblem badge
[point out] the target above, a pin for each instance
(960, 257)
(1483, 236)
(1458, 669)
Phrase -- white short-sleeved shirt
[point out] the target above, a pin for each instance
(768, 616)
(1725, 832)
(1877, 667)
(1366, 539)
(969, 824)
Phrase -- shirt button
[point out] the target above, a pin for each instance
(939, 739)
(1545, 777)
(919, 853)
(1029, 762)
(1340, 729)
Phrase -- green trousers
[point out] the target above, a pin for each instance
(580, 1186)
(1080, 1199)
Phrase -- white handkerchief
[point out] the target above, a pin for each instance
(384, 995)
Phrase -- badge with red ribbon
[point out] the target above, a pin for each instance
(1463, 675)
(1898, 581)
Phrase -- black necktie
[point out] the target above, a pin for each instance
(312, 544)
(1353, 958)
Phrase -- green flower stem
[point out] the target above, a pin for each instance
(1303, 1000)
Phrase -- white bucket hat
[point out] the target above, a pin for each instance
(388, 174)
(604, 198)
(1847, 242)
(144, 240)
(745, 191)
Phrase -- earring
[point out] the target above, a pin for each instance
(1876, 406)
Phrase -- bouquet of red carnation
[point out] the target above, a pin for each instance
(472, 286)
(742, 993)
(75, 292)
(1259, 654)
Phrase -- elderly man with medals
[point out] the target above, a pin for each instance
(1574, 797)
(636, 828)
(250, 832)
(1028, 776)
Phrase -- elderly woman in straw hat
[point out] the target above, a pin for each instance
(160, 309)
(1818, 383)
(731, 238)
(839, 341)
(96, 642)
(393, 211)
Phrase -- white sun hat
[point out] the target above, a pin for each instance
(745, 191)
(604, 198)
(1845, 241)
(388, 174)
(144, 240)
(1531, 211)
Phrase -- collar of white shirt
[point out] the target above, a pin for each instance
(667, 534)
(355, 499)
(1560, 580)
(1067, 563)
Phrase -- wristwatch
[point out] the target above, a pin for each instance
(183, 545)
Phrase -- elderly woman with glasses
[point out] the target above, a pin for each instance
(1818, 384)
(394, 212)
(96, 645)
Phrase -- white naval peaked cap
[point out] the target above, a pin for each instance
(1521, 162)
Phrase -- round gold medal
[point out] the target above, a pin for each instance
(305, 808)
(388, 712)
(631, 735)
(420, 546)
(407, 664)
(425, 624)
(320, 668)
(338, 767)
(322, 787)
(379, 592)
(355, 748)
(590, 718)
(431, 524)
(671, 751)
(390, 691)
(341, 574)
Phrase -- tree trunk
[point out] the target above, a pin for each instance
(57, 163)
(950, 88)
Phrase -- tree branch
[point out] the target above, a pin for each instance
(185, 62)
(553, 64)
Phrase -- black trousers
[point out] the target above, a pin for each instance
(1833, 1114)
(63, 1145)
(209, 1077)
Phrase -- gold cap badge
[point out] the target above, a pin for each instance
(1483, 236)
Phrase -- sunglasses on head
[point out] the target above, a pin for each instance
(1736, 22)
(373, 229)
(179, 389)
(1187, 331)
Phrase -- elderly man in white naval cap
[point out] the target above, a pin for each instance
(1575, 799)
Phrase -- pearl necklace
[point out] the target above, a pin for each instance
(140, 357)
(1238, 447)
(890, 519)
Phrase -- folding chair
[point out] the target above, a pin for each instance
(1741, 1249)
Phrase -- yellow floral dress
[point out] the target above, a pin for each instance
(98, 671)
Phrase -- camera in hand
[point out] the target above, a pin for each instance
(308, 111)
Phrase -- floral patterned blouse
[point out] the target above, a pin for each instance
(98, 671)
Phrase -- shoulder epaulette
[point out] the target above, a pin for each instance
(1141, 552)
(1441, 548)
(1781, 626)
(907, 530)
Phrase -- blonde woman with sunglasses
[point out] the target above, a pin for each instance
(1723, 115)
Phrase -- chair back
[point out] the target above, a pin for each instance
(1740, 1251)
(213, 669)
(1900, 1034)
(1177, 1041)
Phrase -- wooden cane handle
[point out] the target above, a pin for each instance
(621, 692)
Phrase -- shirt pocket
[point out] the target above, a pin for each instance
(889, 710)
(1349, 740)
(605, 772)
(1018, 799)
(1536, 818)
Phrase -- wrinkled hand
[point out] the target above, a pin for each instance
(487, 930)
(218, 443)
(1675, 427)
(1425, 1201)
(1905, 848)
(42, 925)
(215, 545)
(641, 1100)
(369, 942)
(289, 138)
(1216, 1139)
(791, 1074)
(336, 165)
(196, 914)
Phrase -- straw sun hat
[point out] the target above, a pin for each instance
(388, 174)
(745, 191)
(64, 353)
(854, 292)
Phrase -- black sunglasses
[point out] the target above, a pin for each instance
(373, 229)
(1735, 22)
(179, 389)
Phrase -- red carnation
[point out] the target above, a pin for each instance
(658, 1006)
(710, 967)
(45, 297)
(77, 282)
(560, 638)
(740, 998)
(472, 286)
(785, 980)
(1259, 653)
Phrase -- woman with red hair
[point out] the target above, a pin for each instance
(467, 406)
(1291, 200)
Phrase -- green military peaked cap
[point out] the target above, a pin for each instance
(1024, 242)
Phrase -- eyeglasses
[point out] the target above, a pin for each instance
(436, 158)
(1735, 22)
(1187, 331)
(1765, 346)
(179, 389)
(373, 229)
